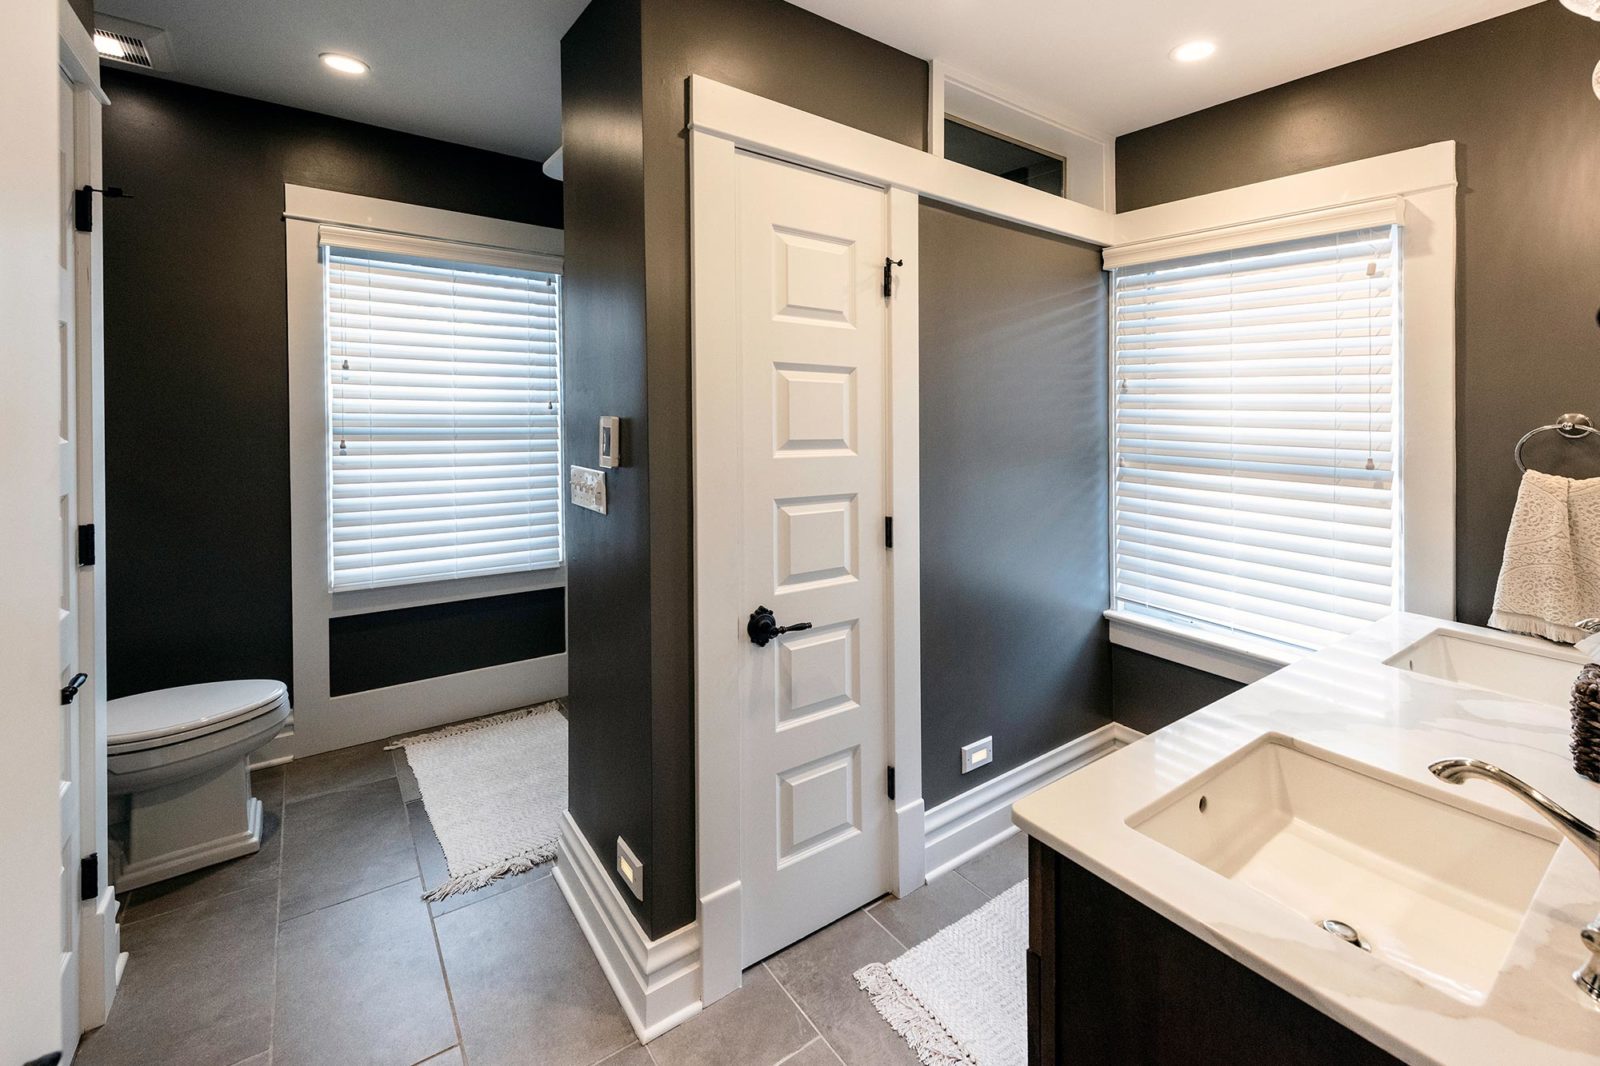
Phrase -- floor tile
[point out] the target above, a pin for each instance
(360, 983)
(334, 770)
(339, 845)
(213, 881)
(447, 1058)
(1000, 867)
(198, 987)
(817, 1053)
(409, 788)
(435, 871)
(758, 1024)
(630, 1056)
(929, 909)
(263, 1059)
(526, 985)
(819, 973)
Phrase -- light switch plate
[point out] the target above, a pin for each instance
(978, 753)
(631, 869)
(588, 489)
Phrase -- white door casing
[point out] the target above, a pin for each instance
(813, 352)
(66, 542)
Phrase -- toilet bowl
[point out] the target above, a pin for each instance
(182, 757)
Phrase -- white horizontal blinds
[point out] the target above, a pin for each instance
(443, 402)
(1254, 421)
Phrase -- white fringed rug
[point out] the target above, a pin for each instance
(494, 789)
(961, 996)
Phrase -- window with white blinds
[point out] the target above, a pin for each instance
(1255, 438)
(443, 414)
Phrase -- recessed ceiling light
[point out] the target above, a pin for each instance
(1194, 51)
(344, 64)
(108, 45)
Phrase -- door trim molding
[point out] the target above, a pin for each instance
(718, 537)
(656, 981)
(775, 129)
(723, 120)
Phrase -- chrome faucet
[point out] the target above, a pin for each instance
(1455, 771)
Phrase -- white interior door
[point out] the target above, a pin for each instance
(813, 349)
(67, 621)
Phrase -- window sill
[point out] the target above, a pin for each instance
(426, 593)
(1234, 659)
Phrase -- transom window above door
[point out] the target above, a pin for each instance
(443, 410)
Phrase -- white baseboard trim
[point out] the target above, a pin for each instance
(657, 981)
(963, 826)
(100, 958)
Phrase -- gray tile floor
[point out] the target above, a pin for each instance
(318, 951)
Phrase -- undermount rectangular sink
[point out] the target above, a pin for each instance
(1508, 666)
(1430, 888)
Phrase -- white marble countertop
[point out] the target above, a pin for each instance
(1346, 701)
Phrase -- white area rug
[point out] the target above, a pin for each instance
(961, 996)
(494, 789)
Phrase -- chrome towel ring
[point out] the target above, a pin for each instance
(1571, 426)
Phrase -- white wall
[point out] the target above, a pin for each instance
(30, 924)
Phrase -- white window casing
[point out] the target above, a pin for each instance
(424, 302)
(443, 393)
(1254, 489)
(1282, 424)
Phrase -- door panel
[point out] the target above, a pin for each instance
(813, 342)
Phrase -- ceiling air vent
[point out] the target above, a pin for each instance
(131, 44)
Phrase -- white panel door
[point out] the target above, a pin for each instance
(67, 620)
(813, 350)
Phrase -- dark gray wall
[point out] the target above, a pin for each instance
(197, 409)
(1149, 693)
(1514, 94)
(624, 66)
(1013, 409)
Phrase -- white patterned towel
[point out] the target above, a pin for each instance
(1550, 578)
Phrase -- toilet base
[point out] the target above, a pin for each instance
(190, 824)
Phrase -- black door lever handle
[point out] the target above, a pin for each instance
(70, 693)
(763, 626)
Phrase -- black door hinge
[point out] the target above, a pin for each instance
(89, 876)
(83, 205)
(888, 275)
(891, 782)
(888, 531)
(86, 545)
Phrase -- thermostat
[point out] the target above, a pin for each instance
(610, 442)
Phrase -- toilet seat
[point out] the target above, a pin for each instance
(171, 716)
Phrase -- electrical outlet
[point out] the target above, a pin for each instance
(631, 869)
(587, 489)
(978, 753)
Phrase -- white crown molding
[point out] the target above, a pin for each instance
(657, 981)
(963, 826)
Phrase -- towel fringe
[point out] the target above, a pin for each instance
(488, 875)
(1529, 625)
(907, 1015)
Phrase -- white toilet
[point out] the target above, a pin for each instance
(182, 756)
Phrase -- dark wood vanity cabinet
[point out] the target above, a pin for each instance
(1113, 983)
